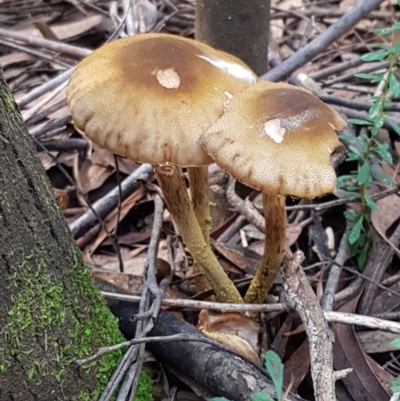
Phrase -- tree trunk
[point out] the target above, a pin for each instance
(50, 311)
(237, 27)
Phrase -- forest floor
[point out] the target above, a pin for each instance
(41, 42)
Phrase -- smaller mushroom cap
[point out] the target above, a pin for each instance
(277, 138)
(149, 97)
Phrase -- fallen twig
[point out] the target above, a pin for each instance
(299, 295)
(312, 49)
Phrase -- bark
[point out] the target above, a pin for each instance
(50, 311)
(237, 27)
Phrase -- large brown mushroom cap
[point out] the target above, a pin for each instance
(277, 138)
(149, 97)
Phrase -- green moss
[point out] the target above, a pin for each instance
(144, 389)
(10, 102)
(43, 308)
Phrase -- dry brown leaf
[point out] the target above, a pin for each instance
(132, 263)
(47, 160)
(68, 30)
(293, 232)
(125, 166)
(241, 257)
(297, 366)
(363, 382)
(231, 323)
(388, 213)
(14, 58)
(62, 198)
(376, 341)
(280, 341)
(129, 282)
(92, 173)
(111, 220)
(133, 283)
(234, 342)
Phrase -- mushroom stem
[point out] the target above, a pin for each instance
(181, 209)
(198, 178)
(274, 250)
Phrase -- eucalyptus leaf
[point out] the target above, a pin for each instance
(394, 85)
(386, 31)
(363, 173)
(355, 232)
(274, 366)
(395, 127)
(261, 397)
(362, 257)
(374, 56)
(395, 386)
(383, 151)
(357, 121)
(370, 203)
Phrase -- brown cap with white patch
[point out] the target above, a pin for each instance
(149, 97)
(277, 138)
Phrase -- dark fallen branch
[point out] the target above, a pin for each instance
(218, 371)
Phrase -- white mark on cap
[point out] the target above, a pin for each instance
(236, 70)
(274, 130)
(168, 78)
(229, 97)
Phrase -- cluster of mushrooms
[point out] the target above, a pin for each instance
(175, 102)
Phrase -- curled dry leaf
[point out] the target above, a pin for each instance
(234, 342)
(367, 381)
(62, 198)
(234, 330)
(387, 214)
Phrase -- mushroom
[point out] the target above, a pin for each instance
(148, 98)
(276, 138)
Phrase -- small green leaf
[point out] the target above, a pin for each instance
(261, 397)
(370, 203)
(384, 177)
(346, 137)
(362, 257)
(396, 343)
(375, 110)
(386, 31)
(395, 127)
(355, 232)
(363, 174)
(351, 196)
(274, 366)
(395, 386)
(363, 75)
(378, 78)
(350, 215)
(374, 56)
(354, 149)
(394, 85)
(357, 121)
(383, 152)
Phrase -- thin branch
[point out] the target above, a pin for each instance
(366, 321)
(334, 32)
(109, 202)
(299, 295)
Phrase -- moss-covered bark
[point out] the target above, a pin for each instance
(50, 311)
